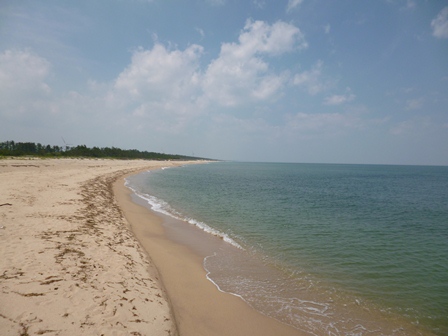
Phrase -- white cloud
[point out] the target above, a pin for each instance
(268, 86)
(320, 123)
(159, 89)
(340, 99)
(410, 5)
(403, 5)
(293, 4)
(440, 24)
(23, 76)
(23, 70)
(259, 4)
(31, 111)
(155, 92)
(414, 104)
(162, 90)
(216, 2)
(168, 117)
(293, 127)
(160, 73)
(201, 32)
(402, 127)
(240, 72)
(259, 37)
(311, 79)
(327, 29)
(412, 126)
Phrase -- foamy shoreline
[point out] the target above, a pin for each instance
(69, 263)
(198, 305)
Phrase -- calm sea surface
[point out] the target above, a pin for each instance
(329, 249)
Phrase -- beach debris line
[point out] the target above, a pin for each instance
(6, 204)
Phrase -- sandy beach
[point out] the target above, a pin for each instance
(72, 263)
(69, 264)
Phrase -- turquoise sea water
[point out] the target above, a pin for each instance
(329, 249)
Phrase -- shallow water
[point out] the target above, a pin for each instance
(329, 249)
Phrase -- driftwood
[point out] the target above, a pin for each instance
(5, 204)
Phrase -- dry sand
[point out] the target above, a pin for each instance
(70, 265)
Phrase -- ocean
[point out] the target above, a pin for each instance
(330, 249)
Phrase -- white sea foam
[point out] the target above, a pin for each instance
(213, 282)
(163, 207)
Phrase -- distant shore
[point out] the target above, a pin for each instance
(71, 264)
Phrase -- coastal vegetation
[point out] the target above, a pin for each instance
(12, 148)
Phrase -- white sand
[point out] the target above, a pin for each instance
(68, 263)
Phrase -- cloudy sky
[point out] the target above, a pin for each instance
(254, 80)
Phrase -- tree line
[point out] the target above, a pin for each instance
(11, 148)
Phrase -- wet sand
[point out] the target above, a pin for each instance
(199, 307)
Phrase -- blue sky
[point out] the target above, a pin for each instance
(290, 81)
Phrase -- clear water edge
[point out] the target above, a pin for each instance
(314, 305)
